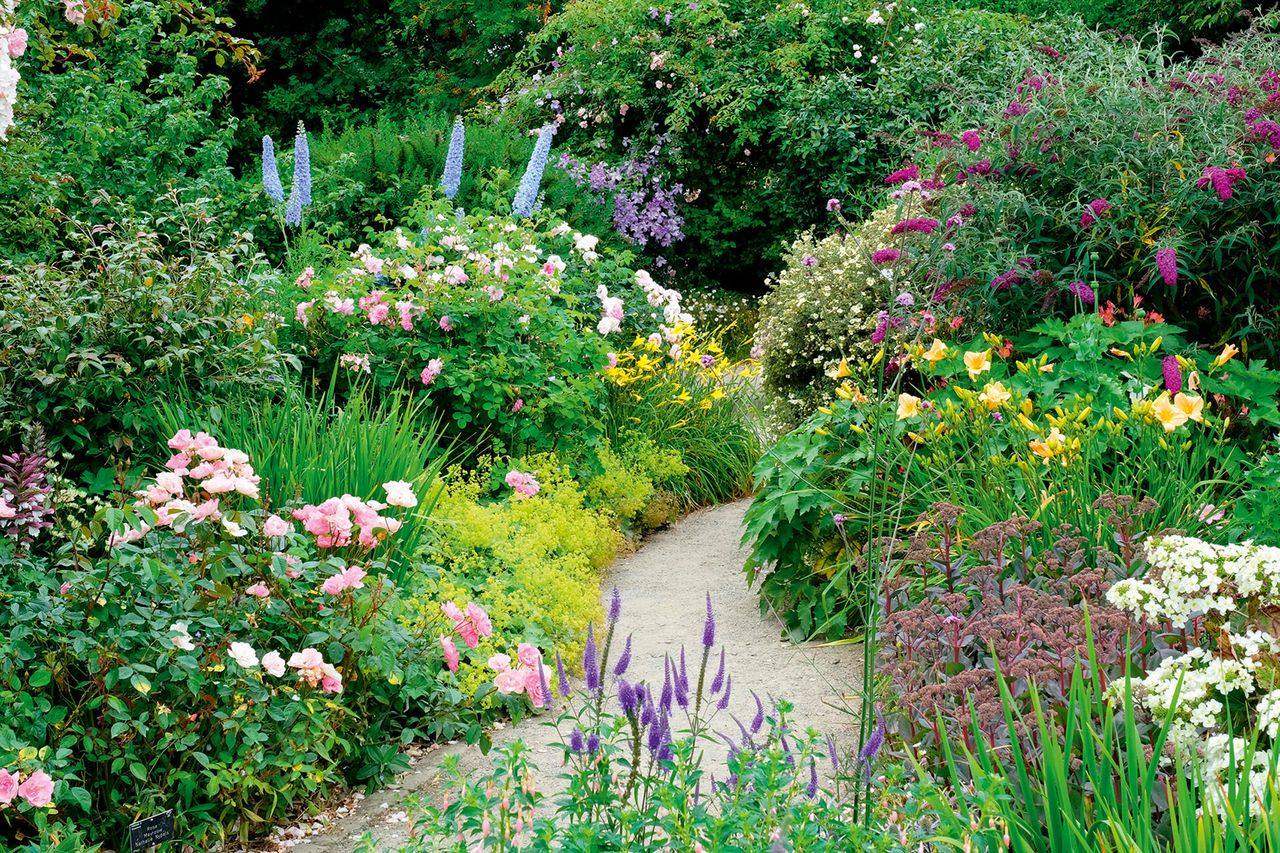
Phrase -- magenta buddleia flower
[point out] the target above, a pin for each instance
(971, 140)
(1050, 52)
(1093, 210)
(1221, 179)
(881, 330)
(885, 256)
(1083, 292)
(1007, 279)
(1167, 263)
(906, 173)
(1172, 374)
(1015, 109)
(921, 225)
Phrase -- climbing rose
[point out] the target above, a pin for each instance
(17, 42)
(1167, 263)
(525, 485)
(37, 790)
(259, 590)
(451, 656)
(400, 493)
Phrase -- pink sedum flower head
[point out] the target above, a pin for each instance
(400, 493)
(37, 790)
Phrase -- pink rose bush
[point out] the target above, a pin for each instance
(36, 789)
(523, 485)
(529, 675)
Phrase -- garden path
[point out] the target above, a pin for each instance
(663, 587)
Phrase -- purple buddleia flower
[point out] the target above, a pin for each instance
(562, 680)
(1167, 264)
(709, 626)
(591, 663)
(758, 721)
(811, 790)
(871, 748)
(271, 172)
(718, 681)
(1172, 374)
(724, 700)
(1083, 292)
(576, 741)
(615, 606)
(624, 660)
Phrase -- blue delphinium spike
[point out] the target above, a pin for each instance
(302, 166)
(452, 178)
(271, 172)
(527, 194)
(293, 213)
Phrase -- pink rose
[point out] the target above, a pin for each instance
(273, 663)
(533, 684)
(17, 42)
(451, 657)
(276, 526)
(479, 618)
(529, 655)
(259, 590)
(331, 679)
(334, 585)
(37, 790)
(500, 663)
(510, 681)
(8, 786)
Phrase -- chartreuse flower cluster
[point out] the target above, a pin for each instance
(1225, 595)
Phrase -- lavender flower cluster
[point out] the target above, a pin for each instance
(644, 210)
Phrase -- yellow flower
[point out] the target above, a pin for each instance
(842, 370)
(1169, 415)
(995, 395)
(1053, 444)
(977, 363)
(1228, 352)
(935, 353)
(1190, 405)
(1047, 367)
(908, 406)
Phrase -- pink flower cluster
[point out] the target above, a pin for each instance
(37, 790)
(350, 578)
(470, 624)
(611, 312)
(530, 675)
(525, 485)
(432, 370)
(338, 522)
(1221, 179)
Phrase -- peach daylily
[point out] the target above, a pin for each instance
(935, 353)
(977, 363)
(908, 406)
(1168, 414)
(995, 395)
(1190, 405)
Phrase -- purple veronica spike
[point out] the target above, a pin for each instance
(615, 606)
(709, 627)
(872, 747)
(593, 743)
(562, 680)
(649, 715)
(627, 698)
(758, 721)
(811, 790)
(590, 662)
(664, 701)
(544, 686)
(624, 660)
(724, 700)
(575, 741)
(833, 754)
(656, 730)
(682, 683)
(718, 681)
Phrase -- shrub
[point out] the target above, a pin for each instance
(92, 340)
(1030, 207)
(821, 312)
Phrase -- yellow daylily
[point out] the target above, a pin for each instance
(842, 370)
(1190, 405)
(1054, 443)
(995, 395)
(1169, 415)
(908, 406)
(1228, 352)
(977, 363)
(935, 353)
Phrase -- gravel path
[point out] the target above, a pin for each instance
(663, 588)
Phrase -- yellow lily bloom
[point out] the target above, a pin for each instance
(842, 370)
(1167, 413)
(1053, 444)
(977, 363)
(935, 353)
(995, 395)
(1228, 352)
(908, 406)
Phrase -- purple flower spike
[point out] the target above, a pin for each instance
(664, 701)
(590, 662)
(615, 606)
(718, 681)
(724, 700)
(758, 721)
(872, 747)
(811, 790)
(1167, 264)
(627, 698)
(709, 627)
(562, 680)
(547, 698)
(682, 683)
(624, 661)
(576, 744)
(593, 743)
(833, 754)
(1172, 374)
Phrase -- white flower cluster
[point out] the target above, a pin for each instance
(1229, 585)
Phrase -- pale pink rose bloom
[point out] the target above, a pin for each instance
(451, 657)
(331, 679)
(170, 482)
(529, 655)
(247, 486)
(306, 659)
(510, 681)
(244, 654)
(500, 663)
(354, 577)
(273, 663)
(259, 590)
(17, 42)
(400, 493)
(208, 509)
(37, 790)
(467, 631)
(334, 585)
(276, 526)
(431, 371)
(479, 618)
(446, 325)
(452, 611)
(8, 787)
(219, 484)
(181, 440)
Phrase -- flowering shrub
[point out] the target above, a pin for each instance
(232, 659)
(504, 324)
(821, 313)
(1041, 434)
(1222, 692)
(1037, 167)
